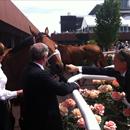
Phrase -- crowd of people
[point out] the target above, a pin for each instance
(121, 45)
(40, 90)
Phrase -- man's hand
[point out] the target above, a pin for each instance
(72, 68)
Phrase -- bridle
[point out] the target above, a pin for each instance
(37, 38)
(56, 52)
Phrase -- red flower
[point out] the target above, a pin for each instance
(115, 83)
(126, 112)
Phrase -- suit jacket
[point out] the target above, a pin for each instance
(124, 81)
(41, 110)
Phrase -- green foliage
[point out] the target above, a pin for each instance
(108, 23)
(91, 42)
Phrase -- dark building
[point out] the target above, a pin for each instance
(70, 23)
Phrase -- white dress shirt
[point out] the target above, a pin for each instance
(5, 94)
(41, 66)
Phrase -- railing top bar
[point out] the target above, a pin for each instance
(98, 77)
(109, 52)
(112, 52)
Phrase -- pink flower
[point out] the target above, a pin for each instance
(105, 88)
(81, 123)
(115, 83)
(126, 112)
(99, 109)
(76, 112)
(63, 109)
(117, 96)
(94, 94)
(110, 125)
(69, 103)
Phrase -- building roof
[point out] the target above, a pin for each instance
(88, 20)
(11, 15)
(95, 9)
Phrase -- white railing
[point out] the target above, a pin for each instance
(109, 52)
(112, 52)
(90, 120)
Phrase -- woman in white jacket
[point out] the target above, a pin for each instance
(5, 96)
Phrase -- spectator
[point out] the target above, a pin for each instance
(41, 110)
(5, 96)
(121, 70)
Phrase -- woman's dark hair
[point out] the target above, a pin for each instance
(124, 55)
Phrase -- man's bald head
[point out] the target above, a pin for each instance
(38, 51)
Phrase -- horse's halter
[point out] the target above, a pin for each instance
(56, 52)
(38, 37)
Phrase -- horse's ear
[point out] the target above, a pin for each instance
(46, 31)
(32, 31)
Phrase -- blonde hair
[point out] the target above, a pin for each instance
(2, 48)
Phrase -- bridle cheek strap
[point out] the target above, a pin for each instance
(56, 52)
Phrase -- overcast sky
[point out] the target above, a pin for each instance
(46, 13)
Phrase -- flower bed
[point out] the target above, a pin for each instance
(106, 103)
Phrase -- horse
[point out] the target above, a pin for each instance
(16, 59)
(86, 54)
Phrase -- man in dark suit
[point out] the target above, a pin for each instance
(121, 70)
(41, 110)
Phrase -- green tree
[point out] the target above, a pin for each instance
(108, 23)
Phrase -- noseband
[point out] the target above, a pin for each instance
(56, 52)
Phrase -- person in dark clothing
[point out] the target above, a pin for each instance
(41, 108)
(121, 70)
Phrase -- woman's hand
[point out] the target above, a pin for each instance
(19, 92)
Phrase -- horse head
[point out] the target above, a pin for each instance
(54, 58)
